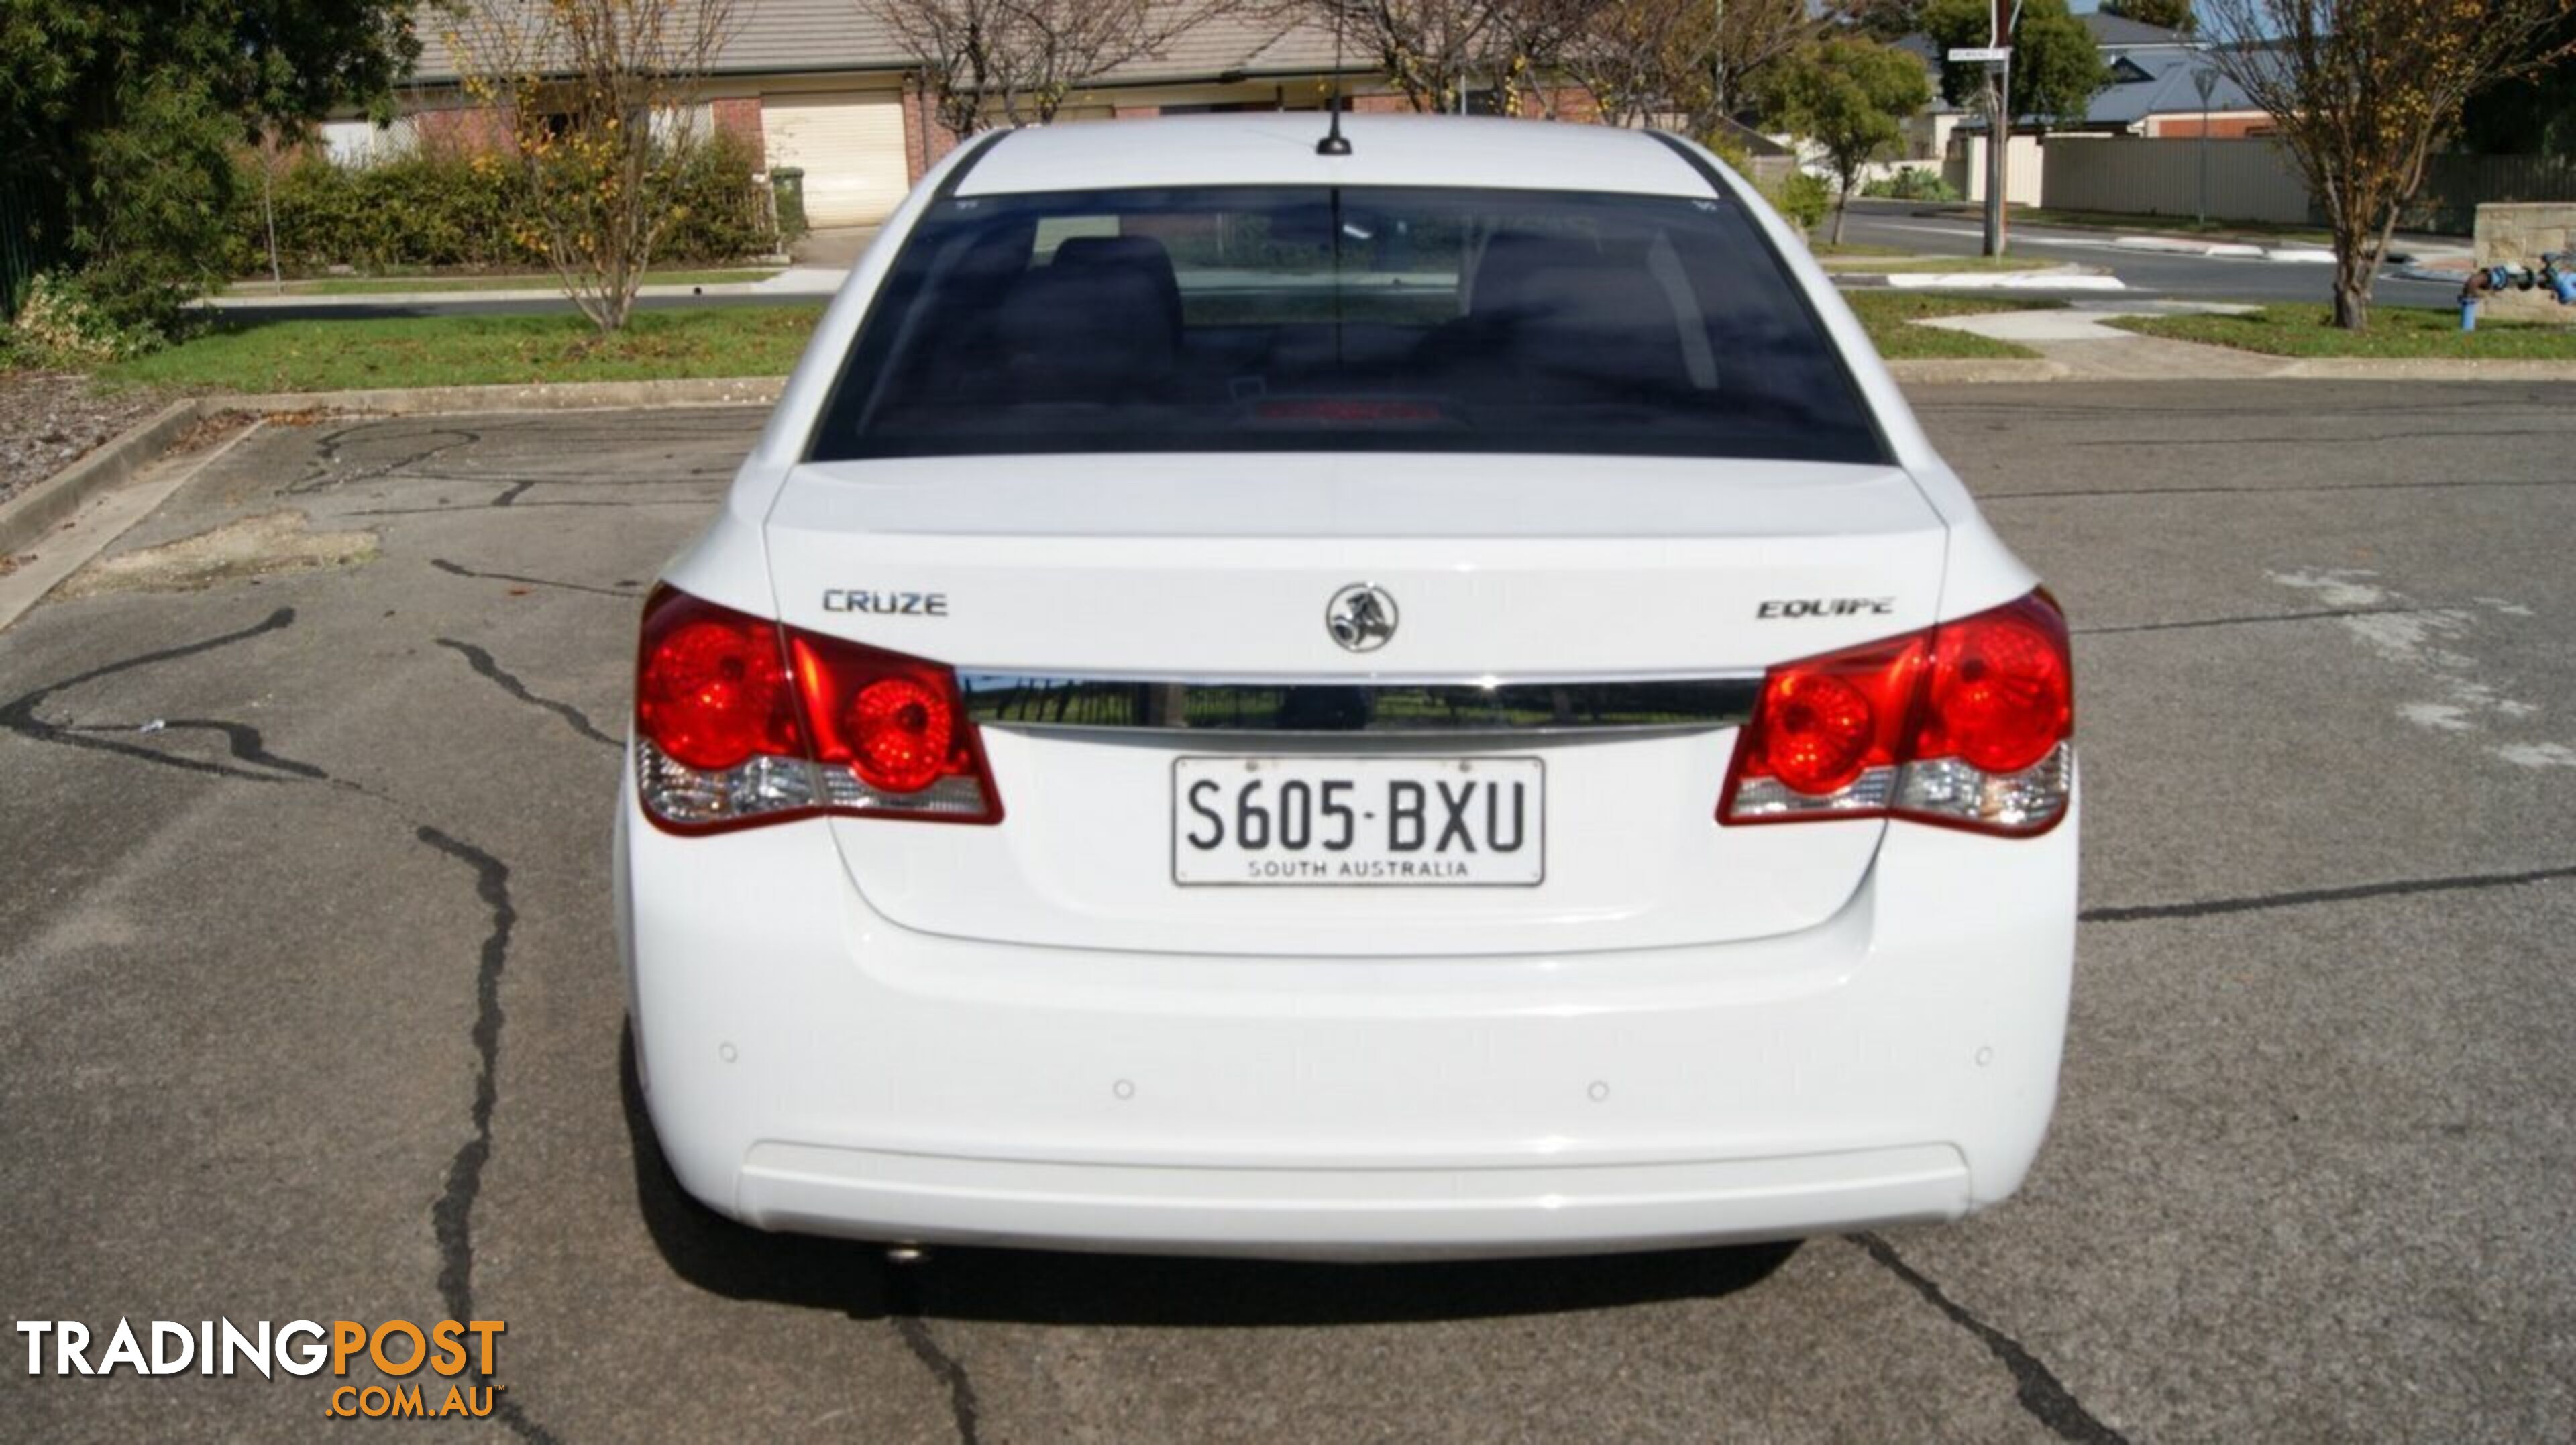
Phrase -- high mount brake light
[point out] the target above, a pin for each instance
(1967, 724)
(739, 721)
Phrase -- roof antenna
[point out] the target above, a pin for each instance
(1334, 142)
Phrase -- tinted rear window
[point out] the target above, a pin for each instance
(1315, 319)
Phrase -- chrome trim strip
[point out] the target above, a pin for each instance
(1363, 705)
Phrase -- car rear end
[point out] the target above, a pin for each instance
(1301, 710)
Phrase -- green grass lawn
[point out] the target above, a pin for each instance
(1890, 317)
(2402, 333)
(338, 355)
(430, 284)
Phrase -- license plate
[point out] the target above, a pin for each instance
(1365, 822)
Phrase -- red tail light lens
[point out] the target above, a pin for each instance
(891, 733)
(901, 732)
(1827, 721)
(2000, 694)
(739, 721)
(1967, 725)
(710, 687)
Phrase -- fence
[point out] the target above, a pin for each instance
(2248, 180)
(2255, 180)
(2455, 186)
(1964, 167)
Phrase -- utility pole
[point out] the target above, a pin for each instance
(1998, 140)
(1997, 59)
(2000, 225)
(2206, 80)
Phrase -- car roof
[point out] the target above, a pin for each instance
(1279, 149)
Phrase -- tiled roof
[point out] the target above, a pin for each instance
(2113, 32)
(806, 36)
(2165, 87)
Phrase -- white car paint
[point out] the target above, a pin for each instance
(1028, 1033)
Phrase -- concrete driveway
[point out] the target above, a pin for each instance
(308, 1003)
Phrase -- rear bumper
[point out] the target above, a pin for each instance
(811, 1067)
(1386, 1213)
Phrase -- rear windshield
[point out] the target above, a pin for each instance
(1342, 319)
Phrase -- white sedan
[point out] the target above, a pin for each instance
(1426, 701)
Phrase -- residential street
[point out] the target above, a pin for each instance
(311, 1005)
(2147, 274)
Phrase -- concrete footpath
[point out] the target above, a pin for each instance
(2079, 344)
(796, 283)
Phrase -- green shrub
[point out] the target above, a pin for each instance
(62, 326)
(435, 207)
(441, 206)
(1802, 198)
(720, 214)
(1736, 156)
(1913, 183)
(156, 233)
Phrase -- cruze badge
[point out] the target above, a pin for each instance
(1361, 617)
(888, 604)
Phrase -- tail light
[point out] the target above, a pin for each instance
(740, 721)
(1968, 724)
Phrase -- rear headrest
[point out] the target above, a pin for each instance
(1503, 273)
(1140, 256)
(1569, 310)
(1075, 333)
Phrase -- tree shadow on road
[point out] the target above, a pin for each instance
(1034, 1287)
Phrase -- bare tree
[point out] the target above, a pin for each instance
(1015, 61)
(1687, 59)
(2363, 90)
(1527, 54)
(1752, 36)
(1642, 59)
(596, 102)
(1435, 50)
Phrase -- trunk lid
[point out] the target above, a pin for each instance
(1186, 570)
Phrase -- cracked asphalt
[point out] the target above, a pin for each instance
(308, 1003)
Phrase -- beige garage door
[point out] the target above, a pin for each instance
(851, 150)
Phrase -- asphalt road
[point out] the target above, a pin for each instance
(308, 1004)
(2149, 275)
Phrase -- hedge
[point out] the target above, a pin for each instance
(442, 206)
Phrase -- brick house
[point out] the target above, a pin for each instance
(821, 85)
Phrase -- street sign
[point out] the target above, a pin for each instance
(1980, 54)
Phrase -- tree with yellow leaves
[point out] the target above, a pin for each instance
(598, 105)
(2363, 90)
